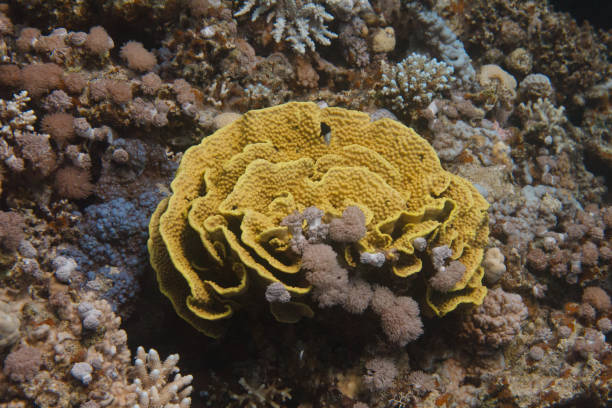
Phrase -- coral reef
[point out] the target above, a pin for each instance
(70, 335)
(572, 56)
(369, 248)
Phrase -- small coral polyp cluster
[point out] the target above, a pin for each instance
(272, 204)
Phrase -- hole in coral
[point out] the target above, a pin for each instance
(326, 133)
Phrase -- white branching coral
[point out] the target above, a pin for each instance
(299, 22)
(543, 120)
(14, 116)
(154, 385)
(413, 83)
(19, 143)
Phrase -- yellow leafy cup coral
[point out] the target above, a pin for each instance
(217, 241)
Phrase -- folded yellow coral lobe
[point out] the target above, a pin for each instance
(217, 240)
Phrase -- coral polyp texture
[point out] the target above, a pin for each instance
(226, 233)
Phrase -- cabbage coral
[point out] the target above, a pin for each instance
(219, 240)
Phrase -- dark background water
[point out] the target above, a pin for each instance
(597, 12)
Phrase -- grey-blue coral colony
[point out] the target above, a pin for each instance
(444, 41)
(300, 22)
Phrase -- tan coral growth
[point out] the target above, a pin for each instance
(218, 240)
